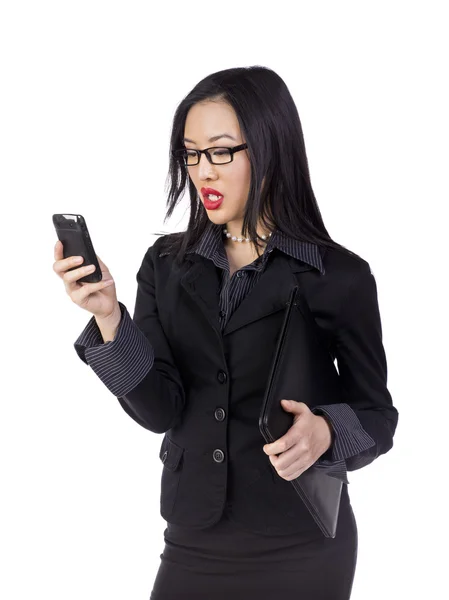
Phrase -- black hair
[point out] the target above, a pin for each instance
(271, 127)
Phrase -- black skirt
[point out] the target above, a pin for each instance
(224, 562)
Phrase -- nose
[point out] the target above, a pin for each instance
(206, 170)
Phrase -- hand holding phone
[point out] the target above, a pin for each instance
(91, 285)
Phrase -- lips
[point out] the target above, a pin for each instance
(207, 190)
(212, 203)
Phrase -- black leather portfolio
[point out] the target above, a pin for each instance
(303, 370)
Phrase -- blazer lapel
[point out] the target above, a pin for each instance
(270, 294)
(200, 279)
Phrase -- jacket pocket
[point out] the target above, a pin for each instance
(171, 456)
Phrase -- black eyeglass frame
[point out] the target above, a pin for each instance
(177, 154)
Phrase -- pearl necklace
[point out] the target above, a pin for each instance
(239, 239)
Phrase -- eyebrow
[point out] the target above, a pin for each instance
(214, 138)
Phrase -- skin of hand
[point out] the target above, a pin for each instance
(307, 439)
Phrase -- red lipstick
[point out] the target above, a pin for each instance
(208, 203)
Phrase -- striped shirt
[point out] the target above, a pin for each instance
(124, 362)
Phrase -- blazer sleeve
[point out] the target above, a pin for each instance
(137, 366)
(364, 425)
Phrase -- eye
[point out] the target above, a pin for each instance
(221, 152)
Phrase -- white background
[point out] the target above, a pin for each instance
(88, 92)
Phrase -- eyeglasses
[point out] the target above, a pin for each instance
(218, 156)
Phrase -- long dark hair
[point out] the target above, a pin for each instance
(271, 127)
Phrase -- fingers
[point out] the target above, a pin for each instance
(290, 470)
(58, 252)
(73, 276)
(63, 264)
(79, 294)
(71, 269)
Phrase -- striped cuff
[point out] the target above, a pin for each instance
(90, 337)
(350, 437)
(122, 363)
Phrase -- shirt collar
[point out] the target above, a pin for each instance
(210, 245)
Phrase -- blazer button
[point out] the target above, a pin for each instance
(222, 377)
(218, 455)
(220, 414)
(164, 456)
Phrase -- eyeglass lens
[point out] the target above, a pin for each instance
(219, 156)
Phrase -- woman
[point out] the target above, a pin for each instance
(193, 361)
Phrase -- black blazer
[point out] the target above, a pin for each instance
(205, 389)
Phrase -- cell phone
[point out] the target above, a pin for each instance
(73, 233)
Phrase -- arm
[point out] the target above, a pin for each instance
(364, 425)
(137, 365)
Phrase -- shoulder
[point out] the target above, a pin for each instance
(341, 289)
(169, 244)
(346, 274)
(344, 265)
(164, 245)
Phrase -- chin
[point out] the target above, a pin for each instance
(217, 219)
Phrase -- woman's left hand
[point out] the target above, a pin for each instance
(307, 439)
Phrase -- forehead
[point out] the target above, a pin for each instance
(208, 119)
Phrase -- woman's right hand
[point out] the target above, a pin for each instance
(99, 298)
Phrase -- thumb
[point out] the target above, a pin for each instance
(289, 404)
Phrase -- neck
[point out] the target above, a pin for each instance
(236, 231)
(247, 249)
